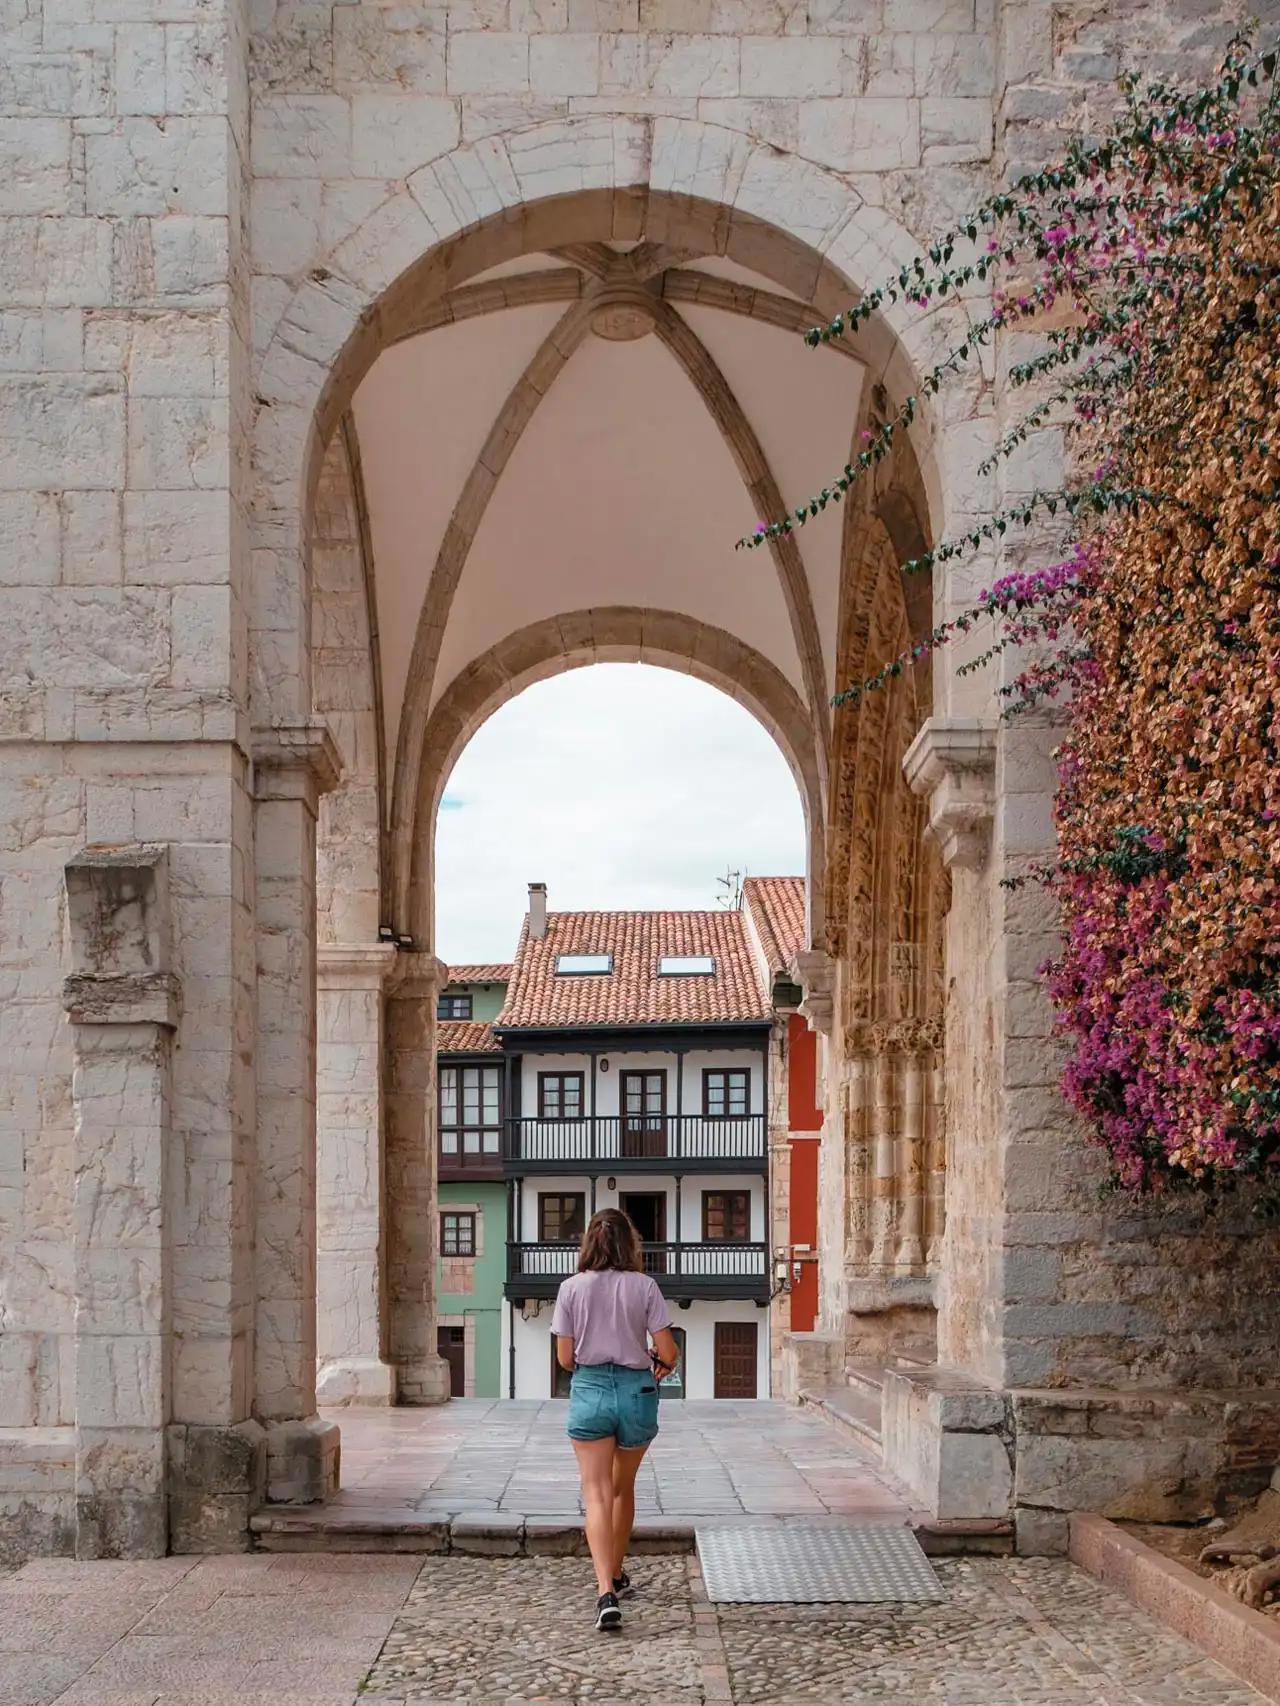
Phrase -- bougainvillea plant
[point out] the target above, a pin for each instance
(1148, 261)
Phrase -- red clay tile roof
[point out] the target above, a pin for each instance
(465, 1036)
(777, 906)
(634, 993)
(480, 974)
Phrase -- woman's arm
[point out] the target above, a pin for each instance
(564, 1352)
(664, 1342)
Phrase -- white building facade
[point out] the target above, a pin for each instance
(637, 1063)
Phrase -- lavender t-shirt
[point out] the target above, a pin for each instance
(607, 1313)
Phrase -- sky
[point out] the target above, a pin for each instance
(619, 786)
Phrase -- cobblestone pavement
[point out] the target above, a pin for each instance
(1032, 1632)
(721, 1459)
(352, 1630)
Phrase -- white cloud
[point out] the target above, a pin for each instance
(620, 785)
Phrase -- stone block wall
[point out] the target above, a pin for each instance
(178, 279)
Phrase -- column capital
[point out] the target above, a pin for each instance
(817, 977)
(893, 1036)
(952, 762)
(355, 965)
(295, 761)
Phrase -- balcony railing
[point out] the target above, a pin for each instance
(719, 1269)
(653, 1143)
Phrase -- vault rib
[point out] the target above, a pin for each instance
(459, 535)
(748, 454)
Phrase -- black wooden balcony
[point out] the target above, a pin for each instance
(641, 1143)
(721, 1269)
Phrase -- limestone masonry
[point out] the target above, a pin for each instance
(361, 363)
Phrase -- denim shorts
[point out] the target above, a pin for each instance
(609, 1401)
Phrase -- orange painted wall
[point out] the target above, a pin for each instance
(804, 1230)
(803, 1114)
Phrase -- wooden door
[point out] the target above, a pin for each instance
(736, 1354)
(644, 1113)
(647, 1211)
(451, 1343)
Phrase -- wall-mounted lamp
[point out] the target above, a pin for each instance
(386, 933)
(604, 1065)
(785, 1274)
(611, 1184)
(405, 943)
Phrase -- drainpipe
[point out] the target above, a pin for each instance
(511, 1351)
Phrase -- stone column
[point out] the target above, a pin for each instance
(351, 1327)
(122, 999)
(422, 1375)
(935, 1165)
(293, 765)
(884, 1171)
(952, 764)
(911, 1092)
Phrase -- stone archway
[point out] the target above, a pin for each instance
(690, 189)
(574, 641)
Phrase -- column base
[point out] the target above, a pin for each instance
(303, 1459)
(217, 1479)
(425, 1380)
(356, 1381)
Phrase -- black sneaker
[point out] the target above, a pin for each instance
(608, 1616)
(622, 1585)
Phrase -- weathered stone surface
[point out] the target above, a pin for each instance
(186, 301)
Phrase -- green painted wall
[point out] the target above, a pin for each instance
(486, 999)
(485, 1301)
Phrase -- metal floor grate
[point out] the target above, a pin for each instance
(800, 1565)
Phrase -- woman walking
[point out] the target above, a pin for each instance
(603, 1320)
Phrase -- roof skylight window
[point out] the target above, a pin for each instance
(584, 965)
(686, 965)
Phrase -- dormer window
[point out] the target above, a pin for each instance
(584, 965)
(686, 965)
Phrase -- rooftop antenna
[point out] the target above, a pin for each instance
(731, 884)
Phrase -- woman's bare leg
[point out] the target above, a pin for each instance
(626, 1465)
(595, 1467)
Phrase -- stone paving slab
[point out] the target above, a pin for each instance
(237, 1631)
(723, 1460)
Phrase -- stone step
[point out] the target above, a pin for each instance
(867, 1379)
(351, 1528)
(339, 1529)
(943, 1538)
(853, 1409)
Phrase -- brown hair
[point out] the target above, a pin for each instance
(610, 1241)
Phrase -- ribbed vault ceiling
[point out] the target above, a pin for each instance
(596, 427)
